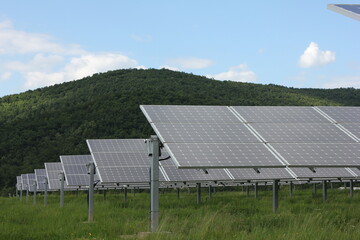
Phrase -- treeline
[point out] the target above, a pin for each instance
(38, 126)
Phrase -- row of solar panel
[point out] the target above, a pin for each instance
(243, 136)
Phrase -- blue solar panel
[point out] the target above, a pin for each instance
(349, 10)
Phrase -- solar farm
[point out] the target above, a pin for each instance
(216, 150)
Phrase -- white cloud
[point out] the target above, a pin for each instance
(313, 56)
(80, 67)
(240, 73)
(189, 63)
(5, 76)
(343, 82)
(40, 62)
(19, 42)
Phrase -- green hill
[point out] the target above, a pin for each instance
(38, 126)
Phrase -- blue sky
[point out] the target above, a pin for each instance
(286, 42)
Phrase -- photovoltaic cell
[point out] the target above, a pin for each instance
(279, 114)
(244, 174)
(325, 173)
(342, 114)
(114, 159)
(321, 155)
(301, 133)
(40, 175)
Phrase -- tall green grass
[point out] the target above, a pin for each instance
(228, 215)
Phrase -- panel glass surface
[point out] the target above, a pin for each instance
(265, 174)
(330, 154)
(342, 114)
(52, 171)
(322, 173)
(354, 128)
(117, 145)
(40, 175)
(301, 133)
(75, 169)
(197, 155)
(206, 133)
(24, 180)
(189, 114)
(18, 183)
(31, 182)
(120, 159)
(280, 114)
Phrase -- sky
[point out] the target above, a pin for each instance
(291, 43)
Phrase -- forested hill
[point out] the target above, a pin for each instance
(38, 126)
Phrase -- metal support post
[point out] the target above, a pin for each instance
(324, 186)
(154, 184)
(27, 195)
(91, 171)
(256, 188)
(291, 189)
(314, 189)
(247, 191)
(46, 191)
(21, 191)
(331, 185)
(178, 193)
(210, 192)
(198, 193)
(35, 192)
(62, 178)
(275, 195)
(351, 188)
(125, 194)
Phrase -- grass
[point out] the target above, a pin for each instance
(228, 215)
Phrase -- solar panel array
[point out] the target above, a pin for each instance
(247, 136)
(75, 169)
(24, 182)
(31, 182)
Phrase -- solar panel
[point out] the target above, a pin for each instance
(31, 181)
(349, 10)
(121, 160)
(197, 155)
(325, 173)
(207, 137)
(356, 171)
(24, 181)
(52, 172)
(18, 183)
(40, 175)
(301, 133)
(75, 169)
(321, 155)
(342, 114)
(244, 174)
(279, 114)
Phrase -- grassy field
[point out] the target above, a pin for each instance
(228, 215)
